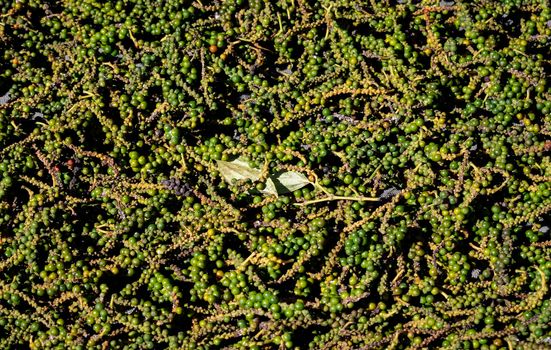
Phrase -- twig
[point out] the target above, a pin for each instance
(337, 198)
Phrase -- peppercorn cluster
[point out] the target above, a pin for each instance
(288, 174)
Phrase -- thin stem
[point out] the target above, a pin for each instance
(336, 198)
(317, 185)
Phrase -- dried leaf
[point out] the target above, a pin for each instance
(389, 192)
(237, 169)
(290, 181)
(270, 188)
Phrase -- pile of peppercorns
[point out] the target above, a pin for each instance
(275, 174)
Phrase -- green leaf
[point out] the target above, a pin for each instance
(237, 169)
(290, 181)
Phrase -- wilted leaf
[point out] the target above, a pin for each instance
(290, 181)
(285, 182)
(5, 98)
(237, 169)
(389, 192)
(270, 188)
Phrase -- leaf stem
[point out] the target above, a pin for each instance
(336, 198)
